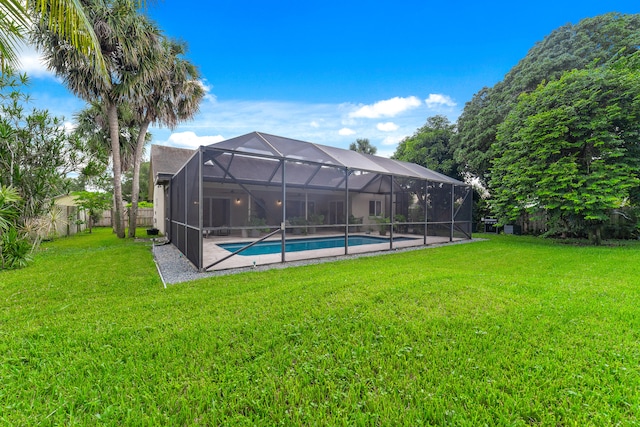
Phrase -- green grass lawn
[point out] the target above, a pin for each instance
(510, 331)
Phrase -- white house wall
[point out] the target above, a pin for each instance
(360, 206)
(159, 208)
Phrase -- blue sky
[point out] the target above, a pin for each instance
(333, 71)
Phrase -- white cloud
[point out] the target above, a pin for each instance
(346, 132)
(69, 127)
(232, 118)
(392, 140)
(32, 64)
(387, 127)
(389, 145)
(189, 139)
(436, 100)
(296, 120)
(208, 96)
(388, 108)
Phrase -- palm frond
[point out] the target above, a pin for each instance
(68, 20)
(13, 24)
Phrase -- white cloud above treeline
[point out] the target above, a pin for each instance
(346, 132)
(322, 123)
(437, 100)
(387, 127)
(31, 62)
(333, 124)
(387, 108)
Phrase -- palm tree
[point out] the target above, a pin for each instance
(362, 145)
(127, 40)
(13, 25)
(66, 18)
(92, 127)
(174, 97)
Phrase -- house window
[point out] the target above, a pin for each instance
(375, 208)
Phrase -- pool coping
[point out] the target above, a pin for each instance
(212, 253)
(376, 240)
(175, 268)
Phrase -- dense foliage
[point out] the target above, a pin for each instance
(93, 203)
(597, 39)
(572, 148)
(432, 147)
(143, 190)
(36, 154)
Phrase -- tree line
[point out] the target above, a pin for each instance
(557, 138)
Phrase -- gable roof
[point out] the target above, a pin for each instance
(167, 161)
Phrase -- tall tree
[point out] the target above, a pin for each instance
(174, 96)
(432, 147)
(572, 149)
(143, 191)
(127, 41)
(569, 47)
(92, 128)
(362, 145)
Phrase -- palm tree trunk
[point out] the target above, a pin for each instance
(114, 133)
(135, 185)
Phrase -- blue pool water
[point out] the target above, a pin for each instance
(306, 244)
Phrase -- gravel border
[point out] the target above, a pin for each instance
(174, 267)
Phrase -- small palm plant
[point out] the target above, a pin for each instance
(15, 249)
(9, 198)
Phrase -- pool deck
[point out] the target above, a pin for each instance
(212, 252)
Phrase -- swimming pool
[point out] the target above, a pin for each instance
(306, 244)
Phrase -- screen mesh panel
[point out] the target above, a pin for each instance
(328, 192)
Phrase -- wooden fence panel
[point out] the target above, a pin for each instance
(75, 221)
(145, 218)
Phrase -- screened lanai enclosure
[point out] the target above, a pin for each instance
(259, 199)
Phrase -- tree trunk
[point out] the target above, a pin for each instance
(135, 185)
(114, 134)
(595, 234)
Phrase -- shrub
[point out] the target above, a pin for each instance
(16, 250)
